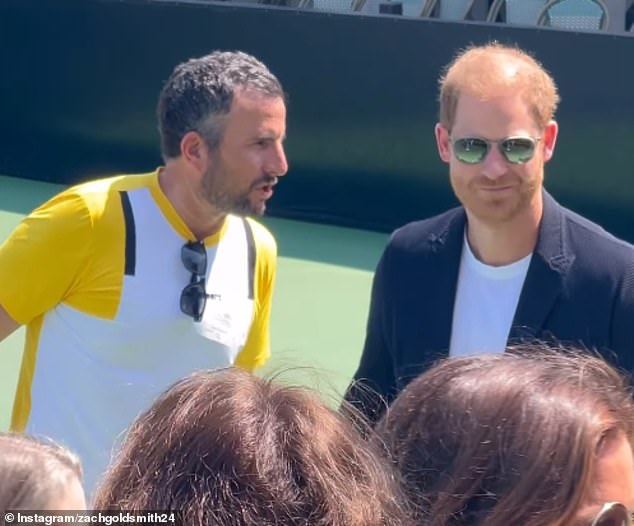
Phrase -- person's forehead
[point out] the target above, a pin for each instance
(612, 480)
(504, 112)
(492, 98)
(614, 473)
(255, 113)
(588, 514)
(251, 99)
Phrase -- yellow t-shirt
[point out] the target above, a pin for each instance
(96, 275)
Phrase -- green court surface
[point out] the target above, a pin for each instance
(320, 303)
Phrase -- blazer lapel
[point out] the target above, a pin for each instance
(544, 279)
(447, 248)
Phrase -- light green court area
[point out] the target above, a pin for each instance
(320, 303)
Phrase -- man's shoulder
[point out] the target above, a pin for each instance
(264, 239)
(100, 190)
(593, 238)
(419, 234)
(94, 196)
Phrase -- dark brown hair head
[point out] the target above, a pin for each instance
(505, 439)
(228, 448)
(33, 472)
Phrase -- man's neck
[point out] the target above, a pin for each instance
(195, 211)
(504, 243)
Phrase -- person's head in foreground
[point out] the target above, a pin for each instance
(226, 448)
(38, 475)
(496, 131)
(531, 437)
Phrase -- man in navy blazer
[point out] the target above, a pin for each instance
(511, 263)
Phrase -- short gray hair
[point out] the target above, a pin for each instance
(199, 93)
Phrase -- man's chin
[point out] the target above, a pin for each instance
(250, 209)
(497, 212)
(259, 212)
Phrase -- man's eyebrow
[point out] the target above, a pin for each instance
(268, 136)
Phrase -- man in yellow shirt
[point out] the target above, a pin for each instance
(127, 284)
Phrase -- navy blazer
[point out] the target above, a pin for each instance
(579, 289)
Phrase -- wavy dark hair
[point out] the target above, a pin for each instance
(228, 448)
(198, 95)
(505, 438)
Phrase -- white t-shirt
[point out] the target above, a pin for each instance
(485, 304)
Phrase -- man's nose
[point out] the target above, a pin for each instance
(494, 164)
(278, 164)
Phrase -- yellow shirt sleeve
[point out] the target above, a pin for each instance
(43, 260)
(258, 347)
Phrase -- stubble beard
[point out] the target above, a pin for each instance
(497, 211)
(214, 190)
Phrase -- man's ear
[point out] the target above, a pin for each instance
(442, 142)
(550, 139)
(194, 150)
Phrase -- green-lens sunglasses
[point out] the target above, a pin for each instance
(473, 150)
